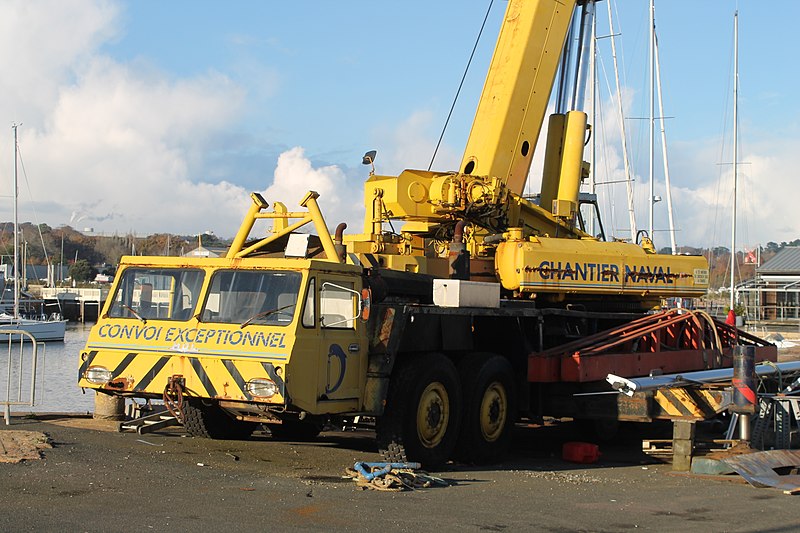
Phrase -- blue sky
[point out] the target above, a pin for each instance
(161, 116)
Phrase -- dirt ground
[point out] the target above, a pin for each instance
(89, 477)
(17, 446)
(96, 479)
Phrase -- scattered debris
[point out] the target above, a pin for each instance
(567, 477)
(779, 340)
(17, 445)
(392, 477)
(148, 443)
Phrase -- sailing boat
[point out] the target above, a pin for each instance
(50, 328)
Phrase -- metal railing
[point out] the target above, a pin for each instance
(786, 314)
(774, 312)
(18, 366)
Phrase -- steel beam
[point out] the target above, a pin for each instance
(648, 383)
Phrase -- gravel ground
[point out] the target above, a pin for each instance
(95, 479)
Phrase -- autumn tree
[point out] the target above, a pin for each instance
(82, 271)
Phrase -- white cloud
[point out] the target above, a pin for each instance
(41, 43)
(340, 201)
(702, 185)
(768, 190)
(121, 143)
(120, 146)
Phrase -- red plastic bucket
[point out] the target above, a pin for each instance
(580, 452)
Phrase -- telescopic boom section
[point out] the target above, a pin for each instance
(517, 89)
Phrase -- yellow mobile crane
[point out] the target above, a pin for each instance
(535, 251)
(485, 308)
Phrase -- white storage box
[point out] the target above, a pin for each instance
(460, 293)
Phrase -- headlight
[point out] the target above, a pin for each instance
(262, 388)
(98, 375)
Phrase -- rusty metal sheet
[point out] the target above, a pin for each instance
(759, 468)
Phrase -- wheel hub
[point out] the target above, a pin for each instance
(494, 411)
(433, 414)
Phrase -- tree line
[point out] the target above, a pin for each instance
(86, 255)
(81, 255)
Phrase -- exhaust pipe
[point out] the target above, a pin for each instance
(338, 244)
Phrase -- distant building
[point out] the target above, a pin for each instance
(774, 292)
(202, 251)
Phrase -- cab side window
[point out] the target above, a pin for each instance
(309, 311)
(337, 302)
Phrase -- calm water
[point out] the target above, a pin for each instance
(57, 372)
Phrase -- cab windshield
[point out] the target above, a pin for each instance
(247, 297)
(157, 293)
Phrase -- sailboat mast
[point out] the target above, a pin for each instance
(662, 119)
(623, 135)
(652, 113)
(593, 78)
(16, 229)
(735, 147)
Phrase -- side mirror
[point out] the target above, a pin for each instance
(365, 303)
(369, 159)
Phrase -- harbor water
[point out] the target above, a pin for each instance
(56, 375)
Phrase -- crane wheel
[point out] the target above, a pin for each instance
(211, 422)
(489, 408)
(423, 411)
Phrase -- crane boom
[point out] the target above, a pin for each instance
(516, 92)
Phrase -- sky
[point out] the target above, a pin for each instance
(147, 117)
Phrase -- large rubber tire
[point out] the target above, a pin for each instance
(423, 412)
(295, 430)
(211, 422)
(489, 408)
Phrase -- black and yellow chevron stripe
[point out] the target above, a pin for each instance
(206, 377)
(688, 403)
